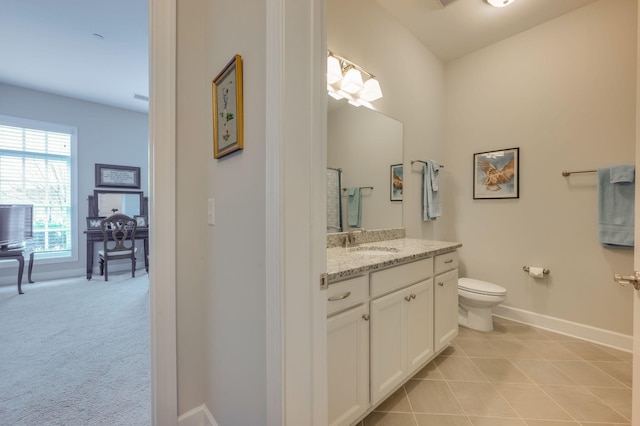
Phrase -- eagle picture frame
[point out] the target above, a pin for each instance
(496, 174)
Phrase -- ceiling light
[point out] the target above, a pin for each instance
(98, 36)
(500, 3)
(346, 80)
(334, 70)
(371, 90)
(352, 81)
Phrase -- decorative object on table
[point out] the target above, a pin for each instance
(227, 109)
(396, 177)
(141, 221)
(93, 222)
(109, 175)
(496, 174)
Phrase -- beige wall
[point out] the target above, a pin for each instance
(564, 93)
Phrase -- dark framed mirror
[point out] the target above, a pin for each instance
(106, 203)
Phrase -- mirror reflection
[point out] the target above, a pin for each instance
(363, 144)
(110, 202)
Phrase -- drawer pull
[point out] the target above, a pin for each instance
(365, 317)
(413, 296)
(341, 297)
(407, 298)
(440, 284)
(448, 261)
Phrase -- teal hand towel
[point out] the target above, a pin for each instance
(431, 207)
(616, 207)
(622, 173)
(354, 210)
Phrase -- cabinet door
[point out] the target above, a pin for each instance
(419, 324)
(348, 365)
(446, 308)
(388, 344)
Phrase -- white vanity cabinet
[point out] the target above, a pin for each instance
(401, 324)
(348, 350)
(445, 299)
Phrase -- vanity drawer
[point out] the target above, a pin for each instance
(347, 293)
(446, 262)
(390, 279)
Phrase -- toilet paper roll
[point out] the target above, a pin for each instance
(536, 271)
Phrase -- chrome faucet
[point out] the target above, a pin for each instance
(350, 238)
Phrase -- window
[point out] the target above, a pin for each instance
(36, 167)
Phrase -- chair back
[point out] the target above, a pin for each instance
(119, 232)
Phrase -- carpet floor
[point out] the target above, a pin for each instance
(75, 352)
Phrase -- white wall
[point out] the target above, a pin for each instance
(412, 81)
(564, 92)
(106, 135)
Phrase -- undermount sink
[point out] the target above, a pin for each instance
(373, 250)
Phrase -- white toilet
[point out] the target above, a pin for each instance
(475, 300)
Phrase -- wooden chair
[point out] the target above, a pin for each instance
(119, 232)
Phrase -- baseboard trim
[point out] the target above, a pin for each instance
(199, 416)
(608, 338)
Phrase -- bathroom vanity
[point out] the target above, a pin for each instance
(392, 306)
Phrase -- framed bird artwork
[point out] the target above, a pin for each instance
(396, 182)
(496, 174)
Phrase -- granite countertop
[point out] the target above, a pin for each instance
(344, 263)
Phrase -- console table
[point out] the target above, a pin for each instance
(19, 255)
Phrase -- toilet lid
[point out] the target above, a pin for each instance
(481, 287)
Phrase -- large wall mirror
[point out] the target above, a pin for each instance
(363, 144)
(107, 203)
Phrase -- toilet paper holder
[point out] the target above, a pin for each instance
(545, 271)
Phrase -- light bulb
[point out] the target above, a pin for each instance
(500, 3)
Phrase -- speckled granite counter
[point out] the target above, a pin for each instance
(343, 263)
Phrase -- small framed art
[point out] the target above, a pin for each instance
(93, 222)
(108, 175)
(227, 109)
(395, 183)
(141, 221)
(496, 174)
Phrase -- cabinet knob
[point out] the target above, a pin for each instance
(413, 296)
(440, 284)
(365, 317)
(407, 298)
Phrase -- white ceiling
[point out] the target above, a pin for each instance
(49, 45)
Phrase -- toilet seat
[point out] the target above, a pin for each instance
(481, 287)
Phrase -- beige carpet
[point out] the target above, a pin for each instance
(75, 352)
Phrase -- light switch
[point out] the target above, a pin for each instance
(211, 216)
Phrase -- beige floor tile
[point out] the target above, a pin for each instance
(550, 423)
(389, 419)
(583, 405)
(442, 420)
(589, 351)
(467, 333)
(432, 397)
(397, 402)
(478, 348)
(500, 370)
(456, 368)
(515, 349)
(531, 402)
(584, 373)
(496, 421)
(452, 350)
(618, 399)
(481, 399)
(551, 350)
(622, 371)
(526, 332)
(429, 372)
(621, 355)
(542, 372)
(604, 424)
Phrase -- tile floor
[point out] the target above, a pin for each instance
(516, 375)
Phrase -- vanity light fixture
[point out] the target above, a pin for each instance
(345, 81)
(500, 3)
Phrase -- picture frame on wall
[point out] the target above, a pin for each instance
(113, 176)
(395, 182)
(228, 133)
(496, 174)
